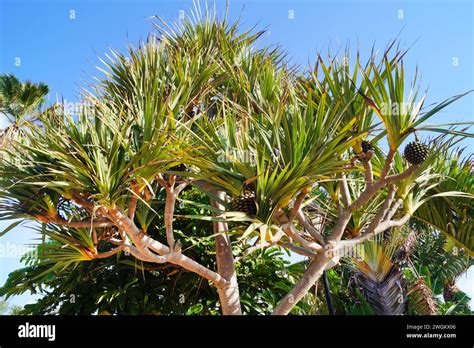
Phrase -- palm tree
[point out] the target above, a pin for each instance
(18, 104)
(405, 271)
(380, 278)
(440, 263)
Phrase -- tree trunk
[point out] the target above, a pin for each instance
(229, 294)
(312, 274)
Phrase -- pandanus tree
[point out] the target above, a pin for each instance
(300, 154)
(379, 278)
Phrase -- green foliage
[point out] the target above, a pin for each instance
(123, 286)
(460, 306)
(18, 100)
(452, 215)
(442, 261)
(3, 306)
(274, 276)
(7, 309)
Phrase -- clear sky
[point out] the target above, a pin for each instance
(58, 42)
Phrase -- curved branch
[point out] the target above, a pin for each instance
(289, 230)
(172, 193)
(369, 234)
(346, 196)
(109, 253)
(368, 171)
(132, 207)
(388, 163)
(124, 223)
(297, 249)
(403, 175)
(383, 209)
(79, 200)
(92, 223)
(253, 249)
(306, 223)
(312, 274)
(321, 261)
(393, 209)
(297, 204)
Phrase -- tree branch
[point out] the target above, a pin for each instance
(297, 249)
(289, 229)
(171, 196)
(403, 175)
(165, 254)
(132, 207)
(253, 249)
(369, 234)
(388, 163)
(274, 240)
(92, 223)
(345, 195)
(79, 200)
(229, 295)
(297, 204)
(322, 260)
(161, 181)
(169, 213)
(368, 194)
(109, 253)
(306, 223)
(383, 209)
(368, 171)
(312, 274)
(393, 209)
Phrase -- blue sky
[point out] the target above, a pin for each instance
(62, 51)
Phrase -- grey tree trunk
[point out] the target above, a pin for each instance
(229, 295)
